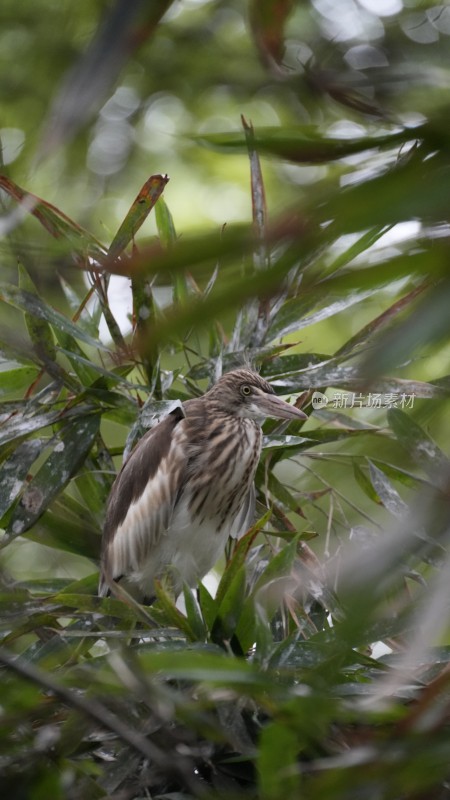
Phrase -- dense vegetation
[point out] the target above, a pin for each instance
(304, 227)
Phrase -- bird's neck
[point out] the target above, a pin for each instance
(211, 411)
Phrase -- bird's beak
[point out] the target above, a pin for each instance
(272, 406)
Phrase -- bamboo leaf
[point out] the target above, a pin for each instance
(171, 612)
(239, 556)
(384, 319)
(15, 377)
(39, 330)
(38, 309)
(138, 213)
(58, 224)
(68, 454)
(386, 492)
(14, 471)
(278, 767)
(165, 223)
(304, 144)
(208, 606)
(365, 484)
(55, 530)
(229, 611)
(279, 566)
(292, 317)
(23, 424)
(193, 614)
(421, 447)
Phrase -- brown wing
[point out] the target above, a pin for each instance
(142, 499)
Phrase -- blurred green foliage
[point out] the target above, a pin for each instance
(305, 226)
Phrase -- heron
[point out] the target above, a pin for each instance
(188, 486)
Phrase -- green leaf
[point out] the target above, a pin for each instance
(282, 495)
(380, 322)
(414, 188)
(420, 446)
(39, 330)
(58, 224)
(71, 536)
(38, 309)
(168, 237)
(108, 606)
(69, 452)
(15, 377)
(84, 369)
(293, 315)
(208, 605)
(23, 424)
(260, 606)
(230, 609)
(193, 614)
(94, 489)
(278, 765)
(387, 493)
(77, 305)
(213, 667)
(171, 612)
(259, 208)
(14, 470)
(137, 214)
(280, 565)
(365, 484)
(165, 223)
(303, 144)
(428, 325)
(239, 556)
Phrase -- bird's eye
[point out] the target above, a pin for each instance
(245, 390)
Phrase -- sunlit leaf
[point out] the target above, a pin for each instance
(15, 377)
(138, 213)
(165, 223)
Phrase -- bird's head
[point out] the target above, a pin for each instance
(243, 393)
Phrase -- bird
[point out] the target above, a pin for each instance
(187, 486)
